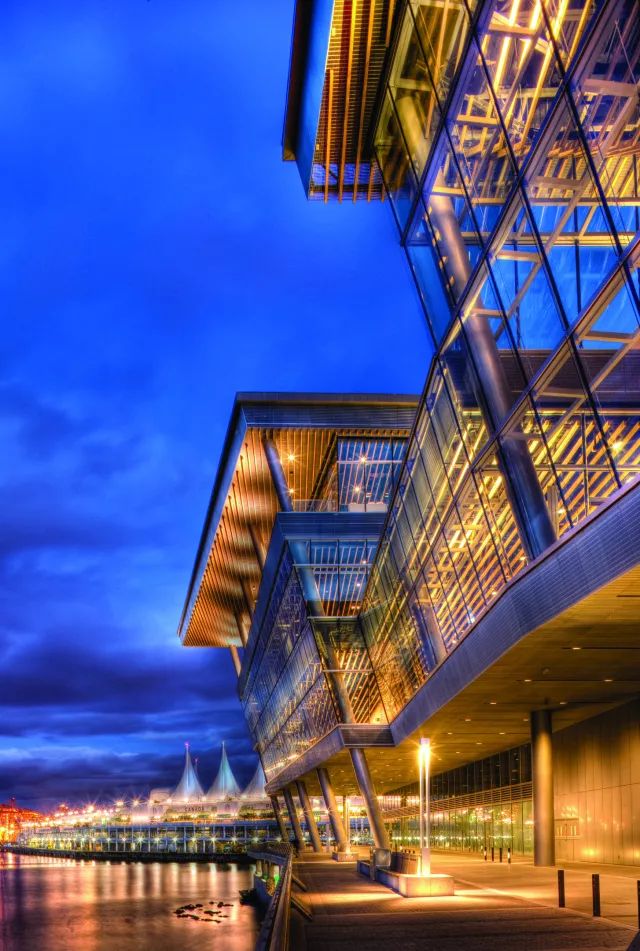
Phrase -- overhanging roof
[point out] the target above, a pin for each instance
(243, 503)
(338, 52)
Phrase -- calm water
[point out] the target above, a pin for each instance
(51, 904)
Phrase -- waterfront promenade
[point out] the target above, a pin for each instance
(495, 908)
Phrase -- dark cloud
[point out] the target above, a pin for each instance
(155, 256)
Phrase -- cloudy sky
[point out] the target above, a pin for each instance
(155, 256)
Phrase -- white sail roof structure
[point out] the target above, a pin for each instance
(189, 787)
(255, 789)
(225, 785)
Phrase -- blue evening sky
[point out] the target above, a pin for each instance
(155, 256)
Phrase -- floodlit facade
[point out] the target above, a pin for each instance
(498, 590)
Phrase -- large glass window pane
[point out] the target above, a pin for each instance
(497, 506)
(609, 353)
(412, 91)
(525, 427)
(479, 142)
(605, 90)
(567, 210)
(522, 67)
(451, 223)
(443, 28)
(395, 163)
(574, 439)
(526, 297)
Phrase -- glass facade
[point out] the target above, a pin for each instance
(481, 805)
(287, 701)
(509, 140)
(310, 650)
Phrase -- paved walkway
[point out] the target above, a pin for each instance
(494, 909)
(521, 879)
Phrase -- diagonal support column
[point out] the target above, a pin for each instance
(293, 819)
(275, 805)
(371, 804)
(335, 674)
(495, 398)
(310, 819)
(235, 657)
(332, 809)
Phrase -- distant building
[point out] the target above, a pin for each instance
(224, 797)
(13, 818)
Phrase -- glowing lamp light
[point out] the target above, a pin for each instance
(424, 759)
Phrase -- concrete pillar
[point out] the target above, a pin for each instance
(235, 657)
(305, 802)
(495, 397)
(371, 804)
(293, 819)
(332, 809)
(542, 770)
(275, 805)
(259, 868)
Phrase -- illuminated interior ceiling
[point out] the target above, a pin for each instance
(337, 59)
(583, 662)
(227, 574)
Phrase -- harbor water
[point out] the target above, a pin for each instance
(52, 904)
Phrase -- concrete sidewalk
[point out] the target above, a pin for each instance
(521, 879)
(493, 910)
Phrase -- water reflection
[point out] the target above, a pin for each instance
(63, 905)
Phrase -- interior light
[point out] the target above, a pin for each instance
(576, 648)
(291, 457)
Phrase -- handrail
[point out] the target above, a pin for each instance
(274, 932)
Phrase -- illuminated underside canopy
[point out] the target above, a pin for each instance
(227, 573)
(225, 785)
(337, 58)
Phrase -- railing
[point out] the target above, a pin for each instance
(274, 932)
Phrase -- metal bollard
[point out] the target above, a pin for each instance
(500, 853)
(492, 854)
(561, 898)
(595, 888)
(509, 856)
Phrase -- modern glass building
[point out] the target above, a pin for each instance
(479, 581)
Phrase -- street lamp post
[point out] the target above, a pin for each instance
(424, 756)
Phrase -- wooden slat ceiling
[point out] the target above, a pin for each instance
(360, 35)
(232, 574)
